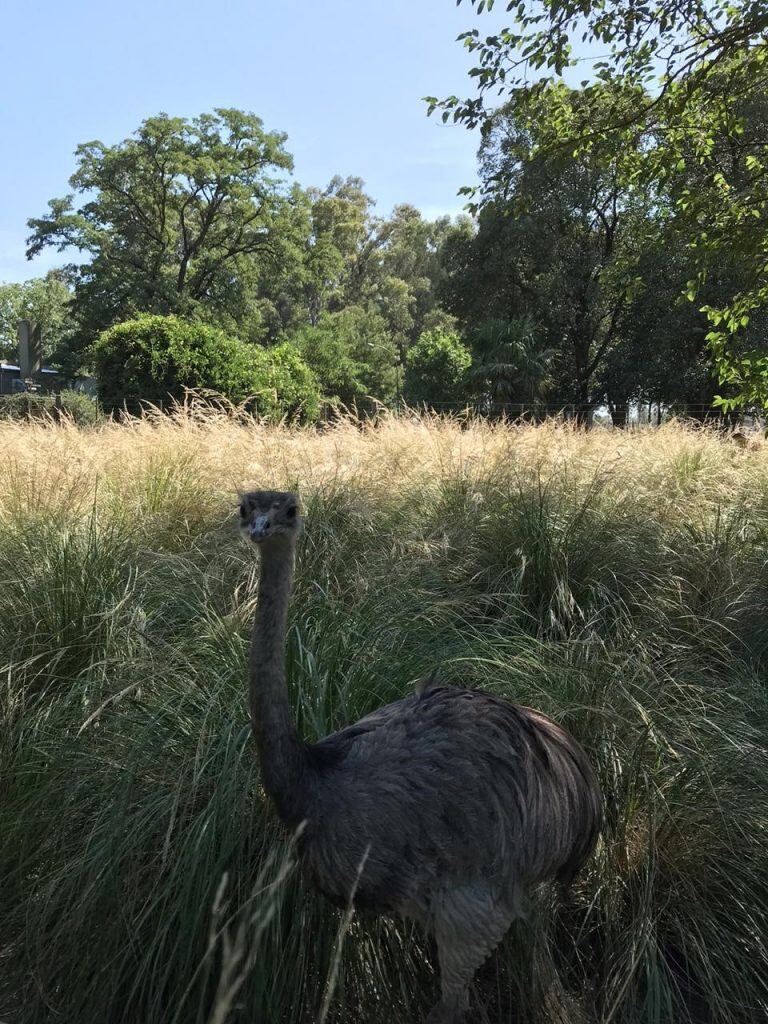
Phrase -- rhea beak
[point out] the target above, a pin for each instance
(260, 528)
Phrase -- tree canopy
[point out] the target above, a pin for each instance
(46, 300)
(178, 218)
(677, 88)
(437, 369)
(570, 285)
(352, 355)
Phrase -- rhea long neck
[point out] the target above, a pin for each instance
(281, 753)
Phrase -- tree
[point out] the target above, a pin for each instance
(179, 218)
(389, 266)
(156, 358)
(508, 366)
(411, 254)
(722, 198)
(436, 371)
(660, 355)
(710, 61)
(46, 300)
(330, 356)
(352, 356)
(395, 302)
(557, 242)
(338, 244)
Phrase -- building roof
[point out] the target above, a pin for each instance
(17, 369)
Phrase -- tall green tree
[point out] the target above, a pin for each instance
(436, 371)
(684, 73)
(411, 254)
(660, 355)
(338, 245)
(388, 267)
(352, 356)
(47, 301)
(557, 242)
(509, 366)
(182, 217)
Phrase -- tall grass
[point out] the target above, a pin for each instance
(618, 581)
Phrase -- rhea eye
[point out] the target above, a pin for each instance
(291, 512)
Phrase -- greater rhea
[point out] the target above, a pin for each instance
(447, 806)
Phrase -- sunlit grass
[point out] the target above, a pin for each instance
(619, 581)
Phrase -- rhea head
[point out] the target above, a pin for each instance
(267, 515)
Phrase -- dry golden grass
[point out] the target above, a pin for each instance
(217, 454)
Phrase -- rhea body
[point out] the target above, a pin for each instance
(447, 806)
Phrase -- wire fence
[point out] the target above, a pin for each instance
(35, 404)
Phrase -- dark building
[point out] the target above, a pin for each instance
(11, 382)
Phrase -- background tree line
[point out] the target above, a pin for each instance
(674, 106)
(196, 260)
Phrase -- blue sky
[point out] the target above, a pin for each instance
(344, 79)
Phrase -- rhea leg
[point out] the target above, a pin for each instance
(468, 924)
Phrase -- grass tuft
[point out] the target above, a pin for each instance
(616, 580)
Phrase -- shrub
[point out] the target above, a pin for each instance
(284, 384)
(75, 405)
(436, 369)
(154, 358)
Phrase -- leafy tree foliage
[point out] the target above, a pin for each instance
(509, 367)
(686, 75)
(436, 371)
(338, 246)
(352, 355)
(283, 384)
(46, 300)
(661, 354)
(411, 256)
(556, 245)
(156, 358)
(388, 266)
(179, 218)
(597, 259)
